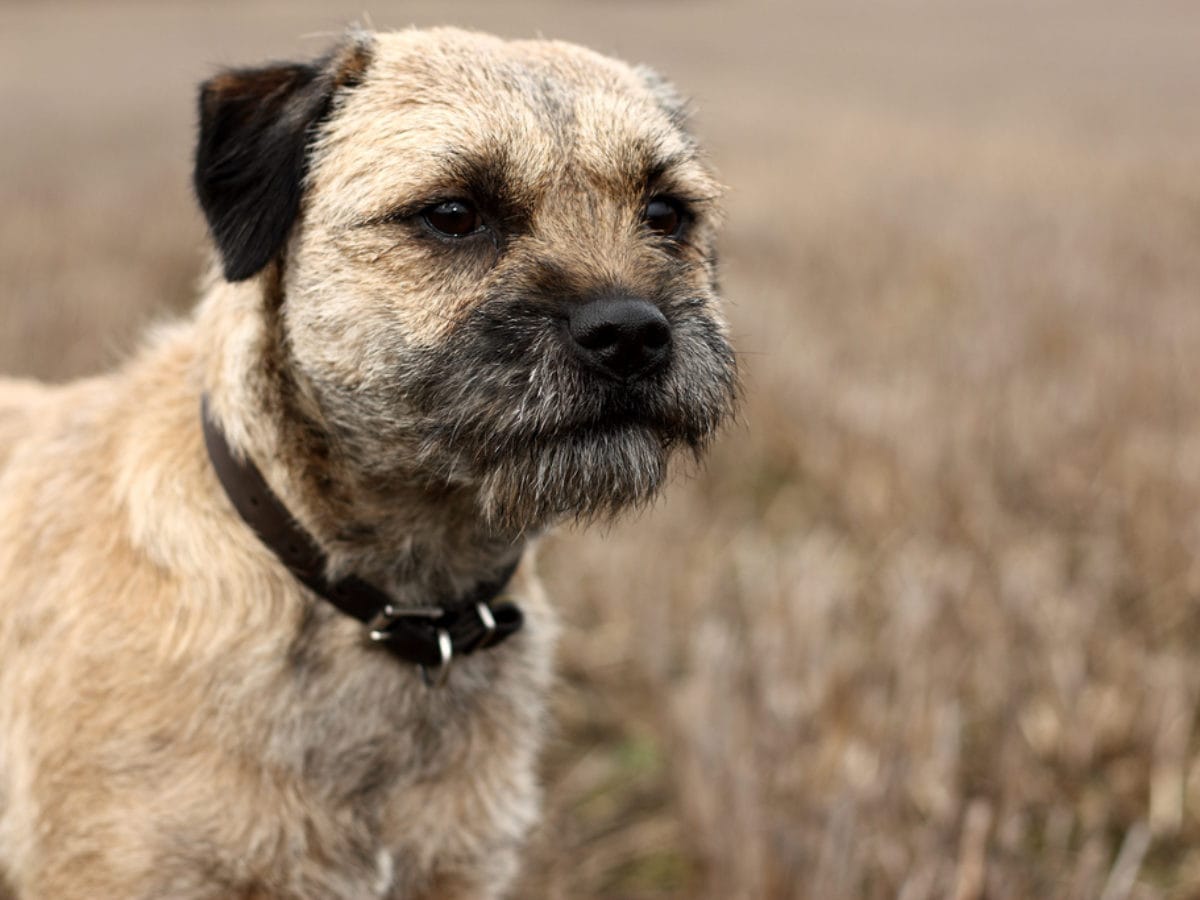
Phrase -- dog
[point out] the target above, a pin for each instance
(269, 622)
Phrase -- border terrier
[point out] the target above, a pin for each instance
(269, 625)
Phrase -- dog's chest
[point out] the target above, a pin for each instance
(406, 778)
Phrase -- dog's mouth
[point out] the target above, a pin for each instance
(545, 435)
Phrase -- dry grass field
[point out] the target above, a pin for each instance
(928, 623)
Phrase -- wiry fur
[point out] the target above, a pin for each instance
(178, 716)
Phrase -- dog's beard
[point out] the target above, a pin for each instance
(582, 475)
(505, 403)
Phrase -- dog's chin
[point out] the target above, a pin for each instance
(589, 474)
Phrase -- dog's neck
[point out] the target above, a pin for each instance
(411, 534)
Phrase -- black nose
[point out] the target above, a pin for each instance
(621, 336)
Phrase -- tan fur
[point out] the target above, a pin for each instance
(178, 716)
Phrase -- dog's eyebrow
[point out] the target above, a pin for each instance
(482, 176)
(667, 170)
(488, 176)
(646, 162)
(681, 174)
(481, 172)
(658, 166)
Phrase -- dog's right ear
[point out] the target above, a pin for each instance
(255, 129)
(670, 101)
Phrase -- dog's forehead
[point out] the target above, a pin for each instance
(541, 110)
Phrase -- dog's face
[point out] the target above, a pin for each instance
(496, 261)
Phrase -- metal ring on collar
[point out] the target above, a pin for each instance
(489, 623)
(446, 649)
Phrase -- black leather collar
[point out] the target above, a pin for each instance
(430, 636)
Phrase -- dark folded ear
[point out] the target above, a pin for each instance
(255, 129)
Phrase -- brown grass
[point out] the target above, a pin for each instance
(928, 624)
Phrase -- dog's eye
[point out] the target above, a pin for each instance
(453, 218)
(665, 216)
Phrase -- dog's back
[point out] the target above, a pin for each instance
(19, 401)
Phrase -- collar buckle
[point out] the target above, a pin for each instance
(380, 626)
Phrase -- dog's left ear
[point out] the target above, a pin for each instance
(255, 129)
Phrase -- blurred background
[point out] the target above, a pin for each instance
(928, 622)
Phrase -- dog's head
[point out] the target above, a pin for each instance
(495, 262)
